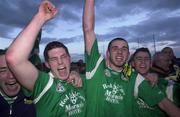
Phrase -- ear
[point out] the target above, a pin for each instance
(47, 64)
(107, 57)
(132, 63)
(107, 54)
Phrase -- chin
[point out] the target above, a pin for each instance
(63, 77)
(12, 93)
(143, 73)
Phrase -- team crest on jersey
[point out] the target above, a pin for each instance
(107, 73)
(73, 97)
(60, 88)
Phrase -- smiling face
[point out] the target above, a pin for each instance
(117, 54)
(8, 83)
(142, 62)
(59, 63)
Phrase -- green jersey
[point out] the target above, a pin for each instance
(171, 89)
(142, 109)
(57, 98)
(108, 91)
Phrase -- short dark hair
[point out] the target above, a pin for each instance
(141, 50)
(3, 51)
(115, 39)
(52, 45)
(167, 48)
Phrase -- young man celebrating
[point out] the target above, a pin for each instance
(52, 94)
(110, 87)
(141, 61)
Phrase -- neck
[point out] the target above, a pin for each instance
(115, 68)
(53, 76)
(145, 75)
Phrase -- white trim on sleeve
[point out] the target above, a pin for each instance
(169, 92)
(90, 74)
(138, 81)
(48, 85)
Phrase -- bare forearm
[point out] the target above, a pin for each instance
(88, 24)
(19, 50)
(23, 44)
(171, 109)
(88, 17)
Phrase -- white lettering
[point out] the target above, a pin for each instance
(63, 102)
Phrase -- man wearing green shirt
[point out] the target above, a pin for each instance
(141, 61)
(112, 86)
(52, 94)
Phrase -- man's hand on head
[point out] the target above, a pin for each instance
(75, 79)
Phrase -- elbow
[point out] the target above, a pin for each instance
(11, 58)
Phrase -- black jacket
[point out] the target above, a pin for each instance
(22, 107)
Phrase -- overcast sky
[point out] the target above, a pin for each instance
(140, 21)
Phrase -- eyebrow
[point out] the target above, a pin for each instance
(3, 67)
(142, 57)
(121, 47)
(125, 47)
(53, 57)
(64, 54)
